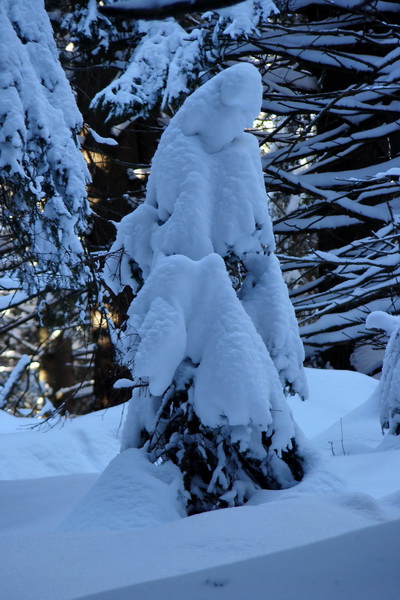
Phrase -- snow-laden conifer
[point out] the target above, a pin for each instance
(171, 56)
(210, 338)
(331, 83)
(43, 174)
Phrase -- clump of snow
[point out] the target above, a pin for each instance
(131, 493)
(243, 18)
(188, 309)
(219, 111)
(102, 140)
(382, 321)
(265, 297)
(388, 390)
(21, 365)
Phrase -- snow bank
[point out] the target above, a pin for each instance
(348, 566)
(286, 541)
(131, 493)
(82, 445)
(84, 562)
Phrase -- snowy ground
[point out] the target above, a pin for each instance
(66, 533)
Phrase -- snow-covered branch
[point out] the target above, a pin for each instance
(162, 9)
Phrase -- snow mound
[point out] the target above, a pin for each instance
(66, 446)
(131, 493)
(382, 321)
(333, 394)
(223, 107)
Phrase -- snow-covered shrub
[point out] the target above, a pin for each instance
(388, 389)
(211, 339)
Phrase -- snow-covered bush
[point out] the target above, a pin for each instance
(211, 339)
(388, 389)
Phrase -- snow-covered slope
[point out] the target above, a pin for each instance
(335, 535)
(356, 566)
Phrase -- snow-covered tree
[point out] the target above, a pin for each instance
(169, 58)
(329, 151)
(339, 92)
(211, 339)
(388, 389)
(93, 50)
(45, 276)
(43, 174)
(160, 9)
(330, 74)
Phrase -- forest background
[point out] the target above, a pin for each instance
(328, 134)
(94, 295)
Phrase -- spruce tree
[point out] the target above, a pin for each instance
(330, 141)
(43, 173)
(210, 339)
(44, 211)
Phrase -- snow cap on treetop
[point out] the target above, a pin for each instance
(237, 94)
(382, 321)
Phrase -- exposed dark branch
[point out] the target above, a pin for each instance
(161, 9)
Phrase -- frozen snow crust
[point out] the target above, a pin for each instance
(211, 330)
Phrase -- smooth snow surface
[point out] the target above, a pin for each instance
(332, 537)
(355, 566)
(84, 445)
